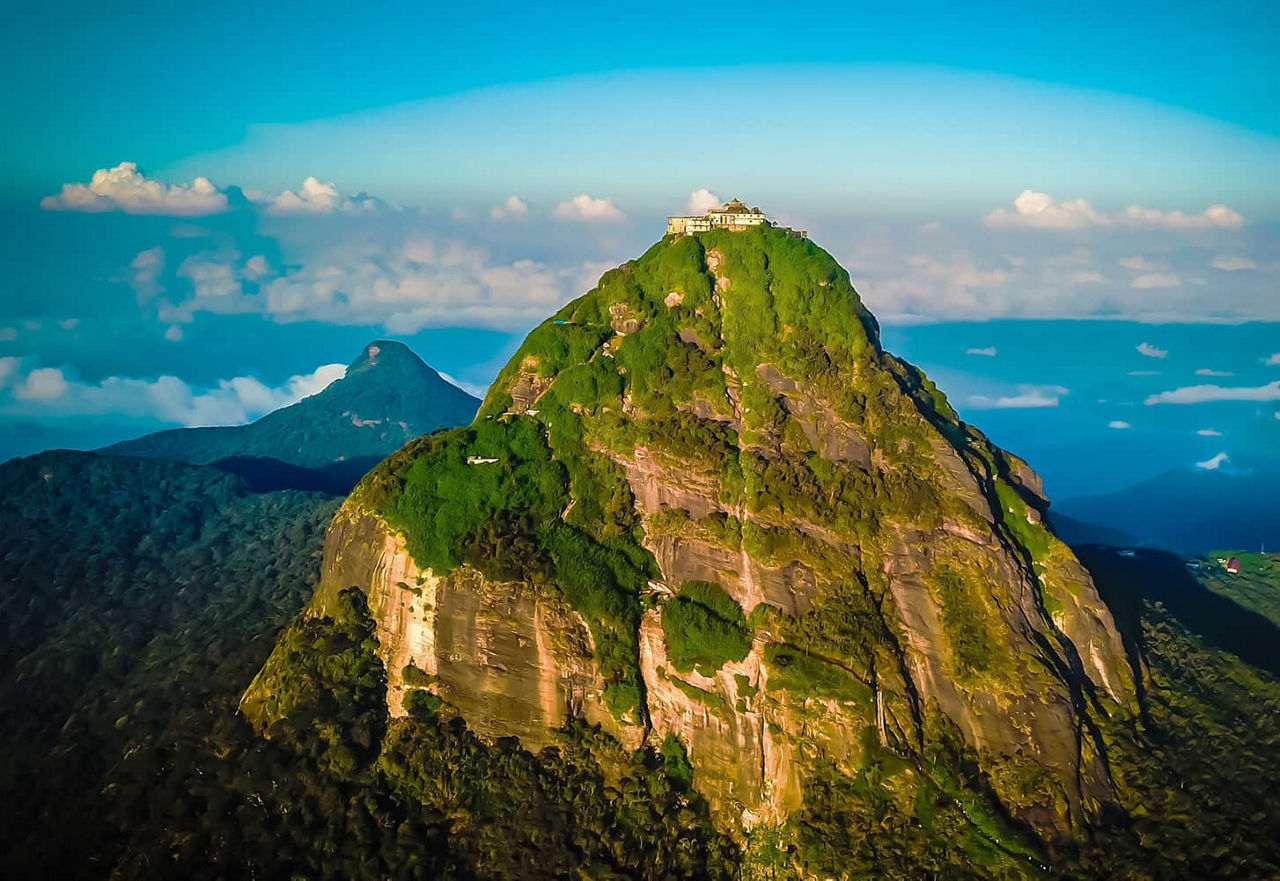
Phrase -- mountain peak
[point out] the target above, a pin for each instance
(384, 353)
(702, 502)
(387, 396)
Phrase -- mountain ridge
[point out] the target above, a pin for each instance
(387, 396)
(1187, 510)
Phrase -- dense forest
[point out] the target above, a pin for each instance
(138, 598)
(141, 597)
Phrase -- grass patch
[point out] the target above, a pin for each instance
(790, 669)
(704, 628)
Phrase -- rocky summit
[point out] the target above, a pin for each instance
(703, 509)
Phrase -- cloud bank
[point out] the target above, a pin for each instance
(403, 287)
(53, 391)
(1035, 210)
(1201, 394)
(125, 188)
(314, 197)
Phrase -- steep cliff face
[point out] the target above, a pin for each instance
(720, 412)
(512, 662)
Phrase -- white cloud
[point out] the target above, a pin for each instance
(1199, 394)
(1214, 463)
(1232, 263)
(1209, 432)
(48, 391)
(1144, 373)
(989, 351)
(144, 273)
(42, 384)
(702, 200)
(1042, 211)
(8, 334)
(1213, 216)
(69, 323)
(315, 197)
(218, 282)
(1150, 351)
(1118, 424)
(125, 188)
(32, 324)
(1028, 396)
(513, 207)
(1138, 264)
(403, 288)
(256, 268)
(1149, 280)
(174, 333)
(1272, 360)
(585, 207)
(1209, 371)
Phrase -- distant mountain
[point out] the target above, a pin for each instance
(1077, 532)
(387, 397)
(1186, 511)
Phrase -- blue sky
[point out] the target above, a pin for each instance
(1060, 187)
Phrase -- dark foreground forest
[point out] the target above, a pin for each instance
(141, 597)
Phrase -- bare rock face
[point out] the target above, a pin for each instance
(720, 411)
(509, 662)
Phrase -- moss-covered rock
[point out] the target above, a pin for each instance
(720, 413)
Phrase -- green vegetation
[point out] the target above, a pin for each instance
(704, 628)
(504, 518)
(1256, 586)
(1032, 536)
(790, 669)
(675, 760)
(967, 623)
(140, 598)
(709, 699)
(889, 821)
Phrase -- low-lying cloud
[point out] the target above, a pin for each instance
(1028, 396)
(421, 282)
(1036, 210)
(316, 197)
(127, 189)
(513, 207)
(26, 389)
(588, 208)
(1201, 394)
(1214, 463)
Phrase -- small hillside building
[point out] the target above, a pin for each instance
(733, 215)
